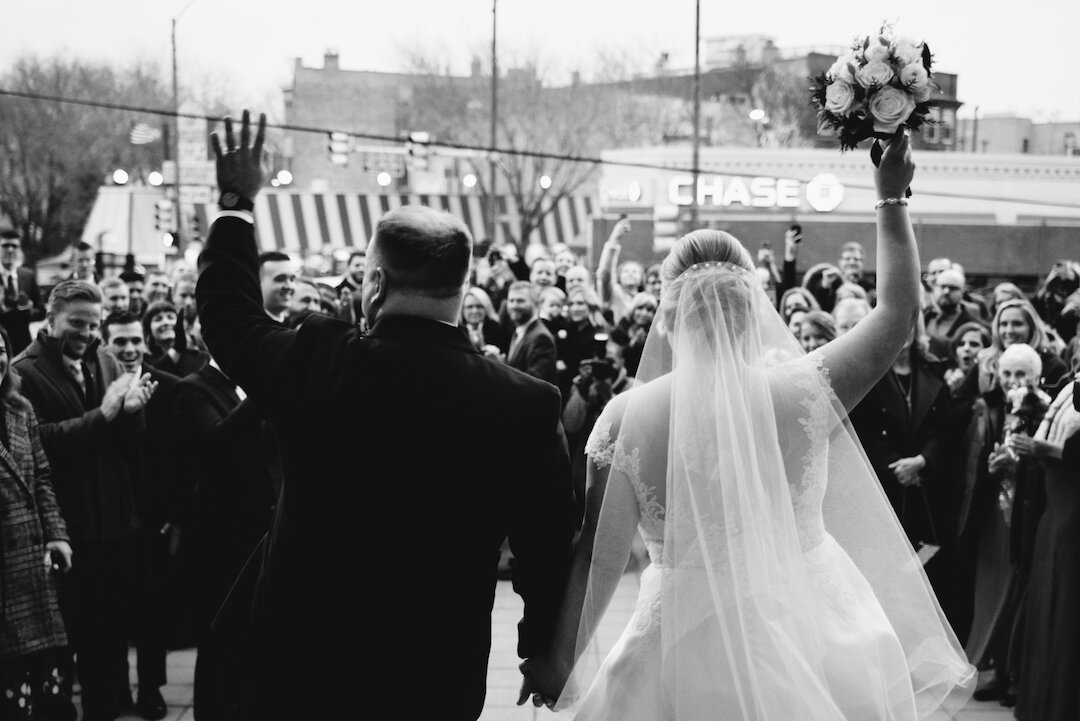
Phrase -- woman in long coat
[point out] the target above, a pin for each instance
(33, 548)
(1049, 662)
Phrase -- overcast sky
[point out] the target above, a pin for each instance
(1020, 60)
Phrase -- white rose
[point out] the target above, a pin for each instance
(875, 74)
(839, 97)
(907, 51)
(890, 107)
(914, 76)
(841, 69)
(922, 94)
(876, 53)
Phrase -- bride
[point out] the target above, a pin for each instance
(781, 585)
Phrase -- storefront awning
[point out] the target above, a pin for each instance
(304, 223)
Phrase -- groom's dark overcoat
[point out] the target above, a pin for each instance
(408, 458)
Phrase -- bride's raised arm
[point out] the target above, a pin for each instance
(858, 359)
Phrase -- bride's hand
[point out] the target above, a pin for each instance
(894, 173)
(542, 680)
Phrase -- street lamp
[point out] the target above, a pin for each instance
(155, 179)
(120, 176)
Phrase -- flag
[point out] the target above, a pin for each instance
(143, 133)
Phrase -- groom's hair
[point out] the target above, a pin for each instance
(423, 250)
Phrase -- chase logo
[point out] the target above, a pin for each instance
(824, 192)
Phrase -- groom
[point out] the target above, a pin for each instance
(403, 456)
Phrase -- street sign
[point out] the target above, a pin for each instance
(193, 135)
(201, 172)
(196, 194)
(380, 162)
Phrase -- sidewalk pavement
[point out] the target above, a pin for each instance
(504, 680)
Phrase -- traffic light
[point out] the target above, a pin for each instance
(340, 146)
(665, 227)
(196, 227)
(164, 215)
(418, 150)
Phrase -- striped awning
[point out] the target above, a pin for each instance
(304, 223)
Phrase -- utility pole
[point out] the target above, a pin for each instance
(695, 170)
(492, 170)
(176, 138)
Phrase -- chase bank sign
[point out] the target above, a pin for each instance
(823, 193)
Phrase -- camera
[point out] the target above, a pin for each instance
(599, 349)
(600, 369)
(797, 230)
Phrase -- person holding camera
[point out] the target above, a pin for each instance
(575, 342)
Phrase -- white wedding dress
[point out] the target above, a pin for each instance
(781, 585)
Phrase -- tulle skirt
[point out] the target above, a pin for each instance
(860, 672)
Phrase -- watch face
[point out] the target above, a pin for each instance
(229, 200)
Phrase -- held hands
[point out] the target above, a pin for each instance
(907, 470)
(542, 681)
(893, 175)
(239, 167)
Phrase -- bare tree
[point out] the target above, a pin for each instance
(547, 124)
(54, 156)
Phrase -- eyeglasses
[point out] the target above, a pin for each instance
(9, 246)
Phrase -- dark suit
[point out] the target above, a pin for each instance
(16, 321)
(92, 463)
(890, 431)
(156, 476)
(237, 473)
(940, 341)
(535, 352)
(403, 453)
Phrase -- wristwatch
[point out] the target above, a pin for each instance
(230, 200)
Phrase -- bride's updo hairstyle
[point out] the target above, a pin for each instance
(727, 288)
(704, 246)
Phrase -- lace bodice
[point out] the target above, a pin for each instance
(803, 392)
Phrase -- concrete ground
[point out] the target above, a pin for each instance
(504, 680)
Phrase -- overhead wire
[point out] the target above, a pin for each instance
(489, 151)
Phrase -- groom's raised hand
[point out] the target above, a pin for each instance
(239, 167)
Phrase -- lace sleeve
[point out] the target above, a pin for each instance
(600, 447)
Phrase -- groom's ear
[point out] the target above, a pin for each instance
(379, 287)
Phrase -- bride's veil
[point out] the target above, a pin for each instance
(740, 456)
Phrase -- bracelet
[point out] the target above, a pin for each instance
(234, 201)
(889, 201)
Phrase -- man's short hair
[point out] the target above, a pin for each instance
(424, 250)
(129, 276)
(356, 254)
(852, 245)
(82, 246)
(10, 234)
(272, 256)
(526, 286)
(72, 291)
(111, 283)
(120, 317)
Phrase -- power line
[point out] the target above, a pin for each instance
(492, 151)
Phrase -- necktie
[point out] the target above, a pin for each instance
(77, 373)
(10, 297)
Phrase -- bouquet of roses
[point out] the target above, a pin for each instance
(881, 83)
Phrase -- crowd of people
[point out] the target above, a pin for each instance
(137, 469)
